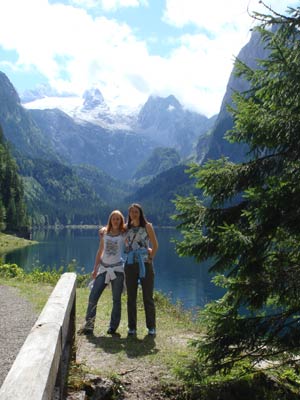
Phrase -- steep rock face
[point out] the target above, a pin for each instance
(159, 112)
(8, 95)
(117, 153)
(18, 126)
(202, 147)
(218, 146)
(168, 123)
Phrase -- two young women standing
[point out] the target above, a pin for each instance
(129, 244)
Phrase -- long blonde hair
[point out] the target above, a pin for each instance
(122, 226)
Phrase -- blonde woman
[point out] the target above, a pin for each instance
(108, 268)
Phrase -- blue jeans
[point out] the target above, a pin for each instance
(98, 287)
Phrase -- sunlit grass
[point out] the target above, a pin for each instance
(175, 328)
(10, 242)
(169, 350)
(174, 325)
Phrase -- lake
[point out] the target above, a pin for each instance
(182, 279)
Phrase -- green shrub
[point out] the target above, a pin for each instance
(11, 271)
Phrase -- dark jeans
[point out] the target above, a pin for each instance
(99, 286)
(147, 283)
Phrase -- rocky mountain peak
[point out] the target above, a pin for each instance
(93, 98)
(167, 122)
(159, 111)
(163, 103)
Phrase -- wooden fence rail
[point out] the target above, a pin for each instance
(40, 369)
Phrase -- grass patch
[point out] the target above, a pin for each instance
(10, 242)
(174, 330)
(111, 357)
(118, 353)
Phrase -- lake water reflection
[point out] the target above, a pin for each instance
(182, 279)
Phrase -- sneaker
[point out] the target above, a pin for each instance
(85, 331)
(152, 332)
(131, 332)
(111, 331)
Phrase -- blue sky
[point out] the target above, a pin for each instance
(129, 49)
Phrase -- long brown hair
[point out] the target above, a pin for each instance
(143, 221)
(122, 226)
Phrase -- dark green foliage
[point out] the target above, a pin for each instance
(161, 159)
(37, 275)
(19, 128)
(257, 386)
(249, 222)
(56, 195)
(109, 189)
(157, 197)
(12, 207)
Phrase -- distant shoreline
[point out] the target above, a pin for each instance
(10, 243)
(36, 228)
(87, 227)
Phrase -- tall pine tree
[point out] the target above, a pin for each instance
(248, 223)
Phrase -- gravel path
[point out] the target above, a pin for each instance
(17, 317)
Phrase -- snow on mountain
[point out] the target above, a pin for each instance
(162, 120)
(90, 107)
(66, 104)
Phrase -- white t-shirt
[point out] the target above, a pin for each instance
(113, 249)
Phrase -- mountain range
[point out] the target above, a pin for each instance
(114, 157)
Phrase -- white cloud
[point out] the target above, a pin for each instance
(212, 17)
(218, 15)
(109, 5)
(76, 50)
(206, 58)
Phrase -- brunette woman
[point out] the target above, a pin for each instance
(139, 267)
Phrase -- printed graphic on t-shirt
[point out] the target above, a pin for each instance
(111, 247)
(136, 238)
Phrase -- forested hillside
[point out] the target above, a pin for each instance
(161, 159)
(12, 207)
(55, 194)
(159, 194)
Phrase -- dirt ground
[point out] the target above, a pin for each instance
(140, 377)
